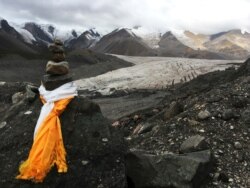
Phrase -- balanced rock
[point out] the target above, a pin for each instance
(52, 82)
(58, 42)
(61, 68)
(58, 57)
(56, 48)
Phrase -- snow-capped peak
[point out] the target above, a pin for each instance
(49, 30)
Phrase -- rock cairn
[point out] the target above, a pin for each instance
(57, 68)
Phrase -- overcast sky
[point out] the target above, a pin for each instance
(200, 16)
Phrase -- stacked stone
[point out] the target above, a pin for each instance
(57, 68)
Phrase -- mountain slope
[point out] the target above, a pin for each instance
(227, 48)
(169, 45)
(11, 42)
(40, 34)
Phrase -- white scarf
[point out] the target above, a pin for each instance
(62, 92)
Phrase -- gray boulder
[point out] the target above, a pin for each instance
(193, 143)
(180, 171)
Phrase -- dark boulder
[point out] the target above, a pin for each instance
(94, 149)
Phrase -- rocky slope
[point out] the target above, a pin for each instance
(197, 136)
(210, 112)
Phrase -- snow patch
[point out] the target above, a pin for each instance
(27, 36)
(150, 37)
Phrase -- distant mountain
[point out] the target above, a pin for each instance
(124, 42)
(87, 39)
(169, 45)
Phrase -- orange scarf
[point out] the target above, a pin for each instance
(47, 148)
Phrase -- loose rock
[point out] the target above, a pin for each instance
(204, 115)
(3, 124)
(193, 143)
(174, 109)
(227, 114)
(237, 145)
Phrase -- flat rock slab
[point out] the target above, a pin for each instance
(154, 171)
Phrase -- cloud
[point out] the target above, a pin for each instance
(206, 16)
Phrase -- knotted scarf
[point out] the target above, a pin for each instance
(48, 148)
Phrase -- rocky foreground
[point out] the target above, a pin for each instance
(205, 120)
(197, 136)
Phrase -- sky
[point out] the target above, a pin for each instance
(199, 16)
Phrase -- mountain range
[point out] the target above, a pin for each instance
(232, 44)
(31, 39)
